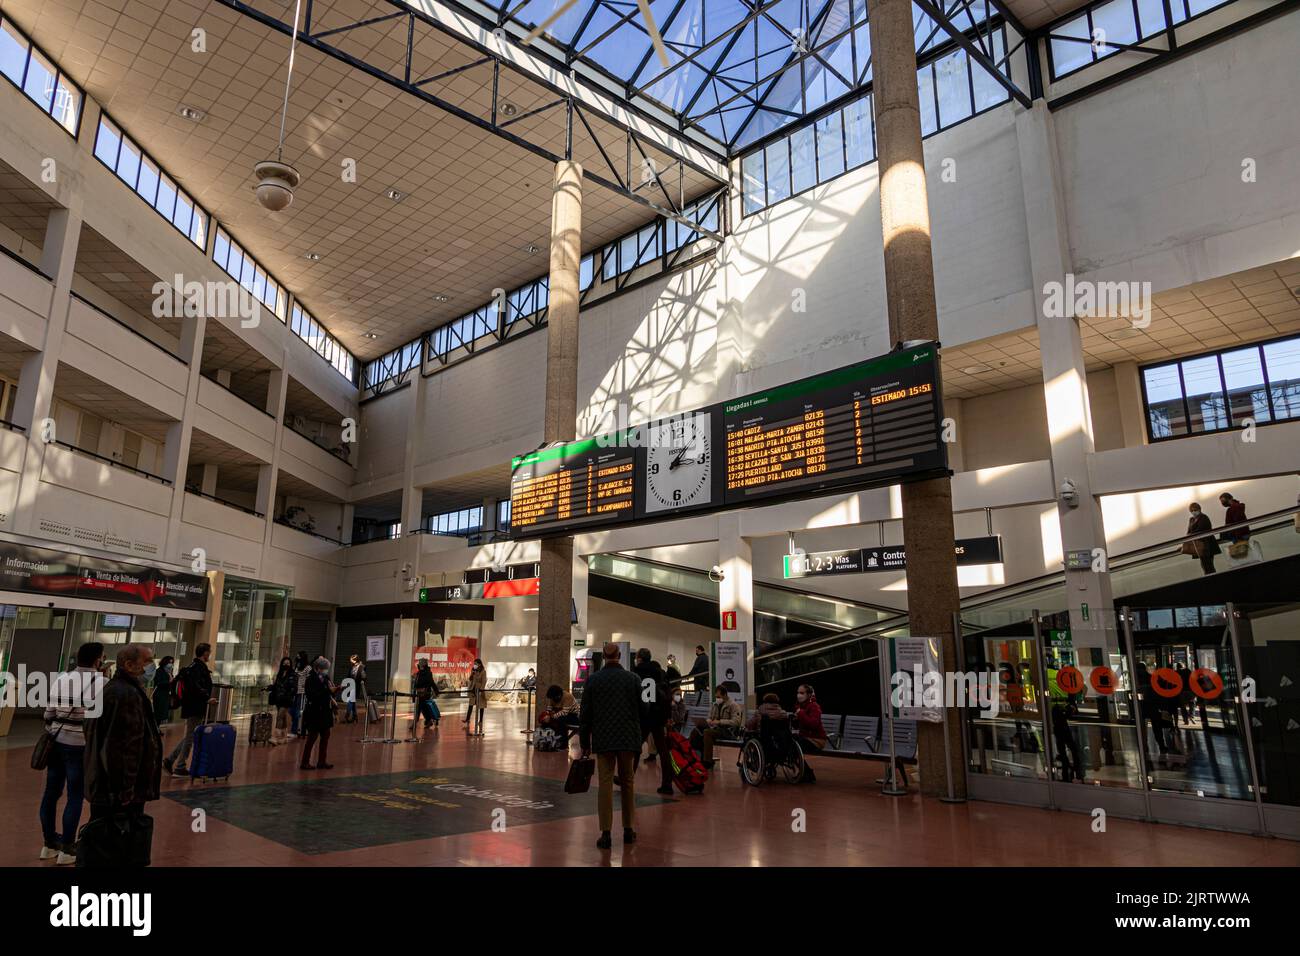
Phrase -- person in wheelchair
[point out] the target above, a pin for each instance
(768, 732)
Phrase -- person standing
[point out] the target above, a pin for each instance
(123, 750)
(162, 691)
(1234, 513)
(357, 671)
(426, 689)
(671, 671)
(283, 693)
(73, 693)
(1204, 548)
(654, 683)
(302, 668)
(195, 689)
(476, 695)
(318, 715)
(700, 669)
(610, 722)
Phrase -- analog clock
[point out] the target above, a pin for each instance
(679, 464)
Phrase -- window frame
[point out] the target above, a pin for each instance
(60, 79)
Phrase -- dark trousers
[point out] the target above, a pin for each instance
(295, 713)
(660, 738)
(312, 736)
(1207, 563)
(66, 767)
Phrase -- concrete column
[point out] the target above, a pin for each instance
(489, 514)
(207, 631)
(412, 514)
(1065, 380)
(909, 285)
(176, 453)
(736, 593)
(349, 515)
(953, 408)
(208, 483)
(35, 398)
(1128, 392)
(554, 606)
(277, 388)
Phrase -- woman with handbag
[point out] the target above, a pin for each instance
(1204, 548)
(476, 694)
(282, 693)
(61, 750)
(425, 692)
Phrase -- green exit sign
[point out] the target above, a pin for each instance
(424, 595)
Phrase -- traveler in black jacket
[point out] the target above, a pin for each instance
(282, 693)
(425, 692)
(654, 684)
(195, 691)
(123, 746)
(611, 722)
(318, 715)
(162, 690)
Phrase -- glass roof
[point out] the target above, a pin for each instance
(736, 69)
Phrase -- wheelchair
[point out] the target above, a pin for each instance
(770, 749)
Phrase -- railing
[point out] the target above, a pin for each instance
(314, 534)
(329, 451)
(114, 462)
(136, 332)
(190, 489)
(227, 389)
(23, 262)
(5, 423)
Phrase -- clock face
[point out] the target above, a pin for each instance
(679, 464)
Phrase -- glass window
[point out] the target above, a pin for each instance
(925, 88)
(221, 250)
(751, 171)
(1243, 371)
(13, 53)
(858, 137)
(67, 106)
(1204, 389)
(1151, 16)
(1070, 55)
(166, 203)
(199, 228)
(953, 82)
(1113, 23)
(39, 84)
(147, 187)
(803, 159)
(586, 272)
(128, 163)
(107, 142)
(184, 212)
(778, 171)
(626, 255)
(988, 91)
(1164, 394)
(1282, 361)
(830, 146)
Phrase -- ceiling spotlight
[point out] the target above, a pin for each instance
(312, 256)
(371, 335)
(396, 195)
(531, 249)
(977, 369)
(190, 113)
(509, 109)
(441, 297)
(276, 183)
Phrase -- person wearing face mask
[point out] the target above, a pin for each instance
(808, 727)
(1203, 548)
(318, 715)
(476, 694)
(283, 692)
(723, 721)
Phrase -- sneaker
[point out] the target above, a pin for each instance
(605, 841)
(49, 852)
(67, 856)
(629, 835)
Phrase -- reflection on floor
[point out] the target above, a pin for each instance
(433, 803)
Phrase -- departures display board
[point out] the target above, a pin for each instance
(869, 424)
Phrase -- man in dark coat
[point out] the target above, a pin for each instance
(123, 747)
(654, 685)
(610, 723)
(1204, 548)
(196, 690)
(318, 715)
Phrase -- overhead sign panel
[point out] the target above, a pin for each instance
(969, 551)
(572, 486)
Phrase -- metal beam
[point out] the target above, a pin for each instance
(958, 36)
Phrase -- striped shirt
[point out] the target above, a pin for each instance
(72, 694)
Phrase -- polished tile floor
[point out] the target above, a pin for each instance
(452, 800)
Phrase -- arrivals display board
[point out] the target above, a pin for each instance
(855, 426)
(869, 424)
(572, 485)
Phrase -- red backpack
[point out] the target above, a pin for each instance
(688, 773)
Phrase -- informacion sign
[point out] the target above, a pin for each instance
(581, 483)
(43, 571)
(877, 420)
(969, 551)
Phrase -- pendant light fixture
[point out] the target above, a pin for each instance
(276, 178)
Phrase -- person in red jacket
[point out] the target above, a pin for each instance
(808, 726)
(1235, 513)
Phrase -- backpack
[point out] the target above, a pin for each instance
(688, 772)
(178, 688)
(546, 739)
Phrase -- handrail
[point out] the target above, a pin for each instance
(23, 262)
(191, 490)
(113, 461)
(230, 391)
(5, 423)
(314, 534)
(136, 332)
(302, 434)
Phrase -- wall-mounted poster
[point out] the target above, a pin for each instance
(727, 669)
(450, 658)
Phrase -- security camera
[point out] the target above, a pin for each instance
(716, 574)
(1069, 494)
(276, 182)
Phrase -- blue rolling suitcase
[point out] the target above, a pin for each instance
(213, 753)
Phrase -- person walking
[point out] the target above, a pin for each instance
(610, 723)
(699, 670)
(1234, 513)
(162, 691)
(1203, 548)
(654, 683)
(194, 686)
(318, 715)
(356, 671)
(426, 689)
(302, 668)
(476, 695)
(73, 694)
(123, 757)
(283, 693)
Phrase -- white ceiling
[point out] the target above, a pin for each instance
(474, 202)
(1037, 13)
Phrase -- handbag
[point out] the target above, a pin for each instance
(580, 774)
(120, 840)
(44, 745)
(1239, 549)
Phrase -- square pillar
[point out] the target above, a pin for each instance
(736, 592)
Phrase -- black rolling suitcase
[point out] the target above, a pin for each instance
(259, 728)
